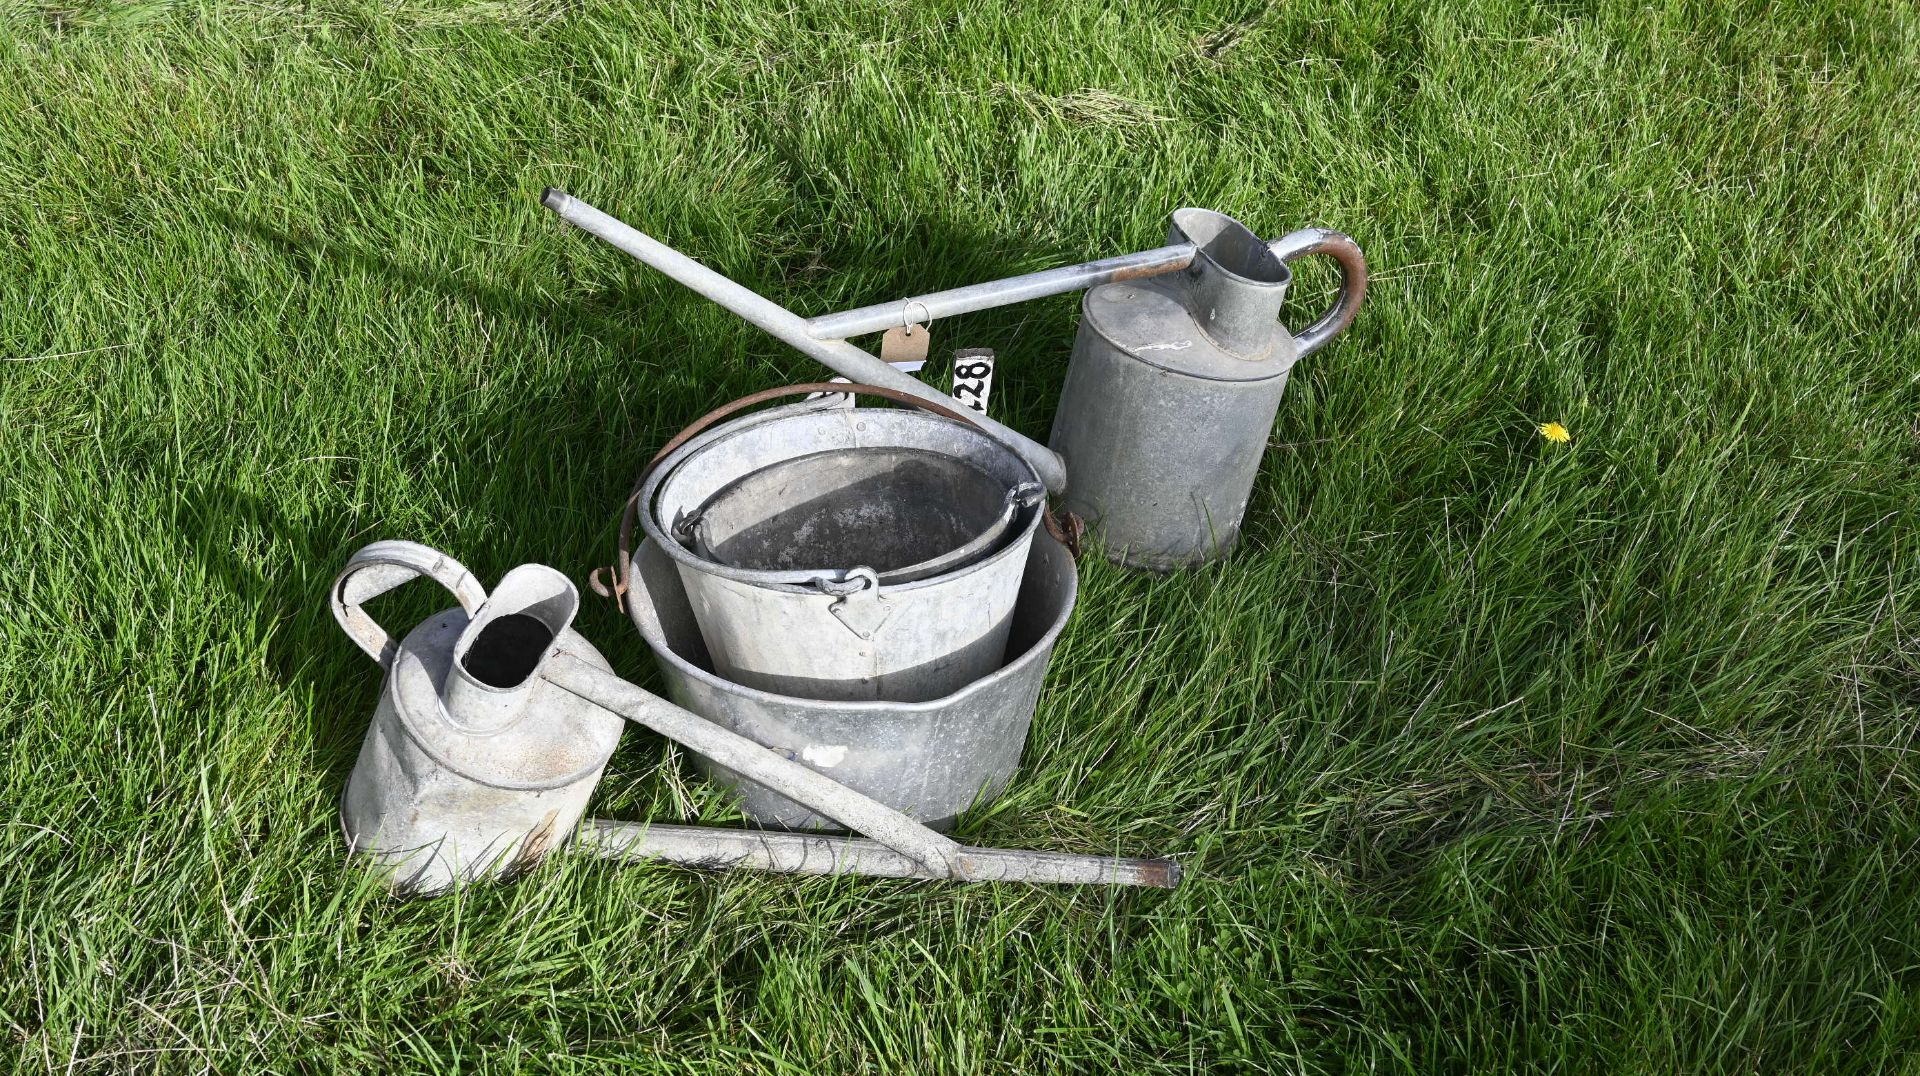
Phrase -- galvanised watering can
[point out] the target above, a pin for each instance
(1175, 378)
(1173, 388)
(496, 720)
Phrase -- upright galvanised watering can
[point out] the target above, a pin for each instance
(1173, 388)
(1174, 382)
(496, 720)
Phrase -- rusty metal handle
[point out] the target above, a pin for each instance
(1353, 281)
(382, 566)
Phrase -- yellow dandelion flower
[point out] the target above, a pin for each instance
(1555, 432)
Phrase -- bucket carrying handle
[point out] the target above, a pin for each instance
(1353, 281)
(382, 566)
(622, 568)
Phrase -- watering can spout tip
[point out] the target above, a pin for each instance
(553, 198)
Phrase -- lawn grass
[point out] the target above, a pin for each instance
(1483, 753)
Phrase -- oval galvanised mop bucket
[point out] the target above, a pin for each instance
(932, 759)
(880, 551)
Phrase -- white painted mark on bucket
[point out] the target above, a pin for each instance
(828, 755)
(1177, 345)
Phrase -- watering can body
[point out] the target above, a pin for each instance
(1173, 388)
(458, 779)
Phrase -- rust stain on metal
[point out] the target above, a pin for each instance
(538, 842)
(1142, 272)
(1159, 873)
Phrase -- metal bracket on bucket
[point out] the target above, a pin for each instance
(861, 607)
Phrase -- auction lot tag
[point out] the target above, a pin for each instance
(973, 376)
(904, 344)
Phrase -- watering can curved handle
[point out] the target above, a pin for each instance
(1353, 281)
(382, 566)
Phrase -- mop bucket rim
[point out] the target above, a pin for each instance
(1013, 501)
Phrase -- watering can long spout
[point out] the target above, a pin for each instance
(900, 847)
(838, 355)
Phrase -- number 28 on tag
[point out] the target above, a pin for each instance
(973, 377)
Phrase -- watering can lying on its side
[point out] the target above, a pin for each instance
(497, 718)
(1176, 374)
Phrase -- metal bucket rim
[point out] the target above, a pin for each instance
(1012, 502)
(806, 582)
(1040, 649)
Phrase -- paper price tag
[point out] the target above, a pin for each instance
(905, 344)
(973, 377)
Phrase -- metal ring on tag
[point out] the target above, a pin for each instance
(906, 312)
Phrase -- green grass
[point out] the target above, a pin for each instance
(1482, 753)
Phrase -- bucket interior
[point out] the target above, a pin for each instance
(885, 508)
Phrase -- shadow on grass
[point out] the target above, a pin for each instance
(228, 527)
(231, 529)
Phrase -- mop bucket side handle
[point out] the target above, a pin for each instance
(382, 566)
(1353, 281)
(630, 515)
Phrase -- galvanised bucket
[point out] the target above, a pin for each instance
(848, 630)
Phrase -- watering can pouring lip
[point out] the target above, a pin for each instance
(1237, 281)
(508, 638)
(500, 655)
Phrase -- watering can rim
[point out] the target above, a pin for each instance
(411, 672)
(1034, 652)
(1281, 275)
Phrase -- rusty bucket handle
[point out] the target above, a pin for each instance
(1353, 281)
(382, 566)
